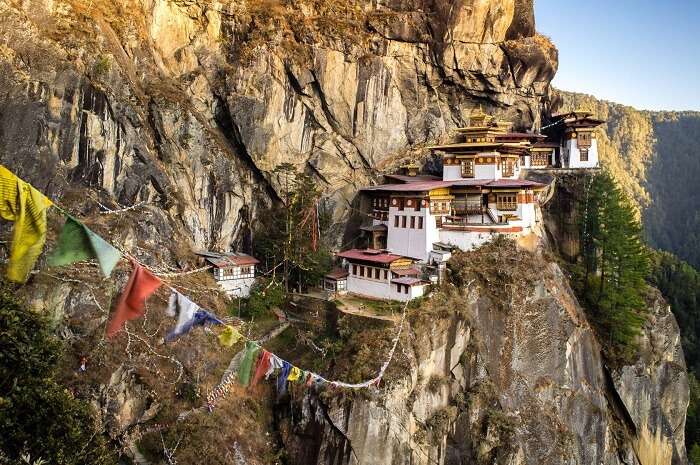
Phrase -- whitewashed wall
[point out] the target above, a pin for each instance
(575, 155)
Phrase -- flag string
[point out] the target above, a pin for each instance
(223, 387)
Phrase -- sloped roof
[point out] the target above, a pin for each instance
(430, 185)
(370, 255)
(225, 260)
(417, 178)
(376, 227)
(337, 274)
(409, 281)
(407, 271)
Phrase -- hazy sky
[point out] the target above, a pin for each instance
(644, 53)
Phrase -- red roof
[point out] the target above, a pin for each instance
(409, 281)
(406, 271)
(547, 145)
(337, 274)
(406, 179)
(226, 260)
(513, 183)
(430, 185)
(419, 186)
(520, 135)
(369, 255)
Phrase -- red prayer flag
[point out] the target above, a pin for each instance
(263, 365)
(142, 283)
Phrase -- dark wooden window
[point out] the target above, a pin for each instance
(467, 168)
(405, 289)
(354, 270)
(584, 155)
(420, 222)
(376, 273)
(403, 221)
(507, 202)
(508, 168)
(362, 271)
(413, 222)
(386, 274)
(396, 221)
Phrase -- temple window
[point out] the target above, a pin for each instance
(508, 168)
(507, 202)
(420, 222)
(396, 221)
(403, 221)
(413, 222)
(468, 168)
(584, 155)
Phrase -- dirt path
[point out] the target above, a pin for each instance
(353, 307)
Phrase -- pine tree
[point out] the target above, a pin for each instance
(293, 231)
(615, 263)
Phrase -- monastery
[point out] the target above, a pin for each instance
(417, 220)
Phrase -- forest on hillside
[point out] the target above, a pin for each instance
(655, 159)
(672, 218)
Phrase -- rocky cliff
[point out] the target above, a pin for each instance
(190, 105)
(504, 368)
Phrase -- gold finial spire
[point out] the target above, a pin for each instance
(478, 118)
(411, 168)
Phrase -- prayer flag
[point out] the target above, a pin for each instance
(142, 283)
(251, 354)
(263, 365)
(185, 310)
(229, 336)
(26, 206)
(276, 363)
(294, 374)
(282, 378)
(77, 243)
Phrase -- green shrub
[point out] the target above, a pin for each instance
(39, 418)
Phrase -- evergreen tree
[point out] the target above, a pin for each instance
(615, 264)
(39, 418)
(293, 232)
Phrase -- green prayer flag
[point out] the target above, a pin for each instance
(249, 358)
(77, 243)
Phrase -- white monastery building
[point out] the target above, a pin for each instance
(234, 272)
(418, 219)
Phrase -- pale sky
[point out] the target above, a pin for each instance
(643, 53)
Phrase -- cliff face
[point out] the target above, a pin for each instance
(189, 105)
(505, 369)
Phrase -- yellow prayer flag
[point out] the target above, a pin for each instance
(229, 336)
(26, 206)
(294, 374)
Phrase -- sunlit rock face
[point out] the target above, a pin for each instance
(509, 376)
(190, 105)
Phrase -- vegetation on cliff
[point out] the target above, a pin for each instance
(615, 264)
(41, 421)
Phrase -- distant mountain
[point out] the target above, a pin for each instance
(656, 158)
